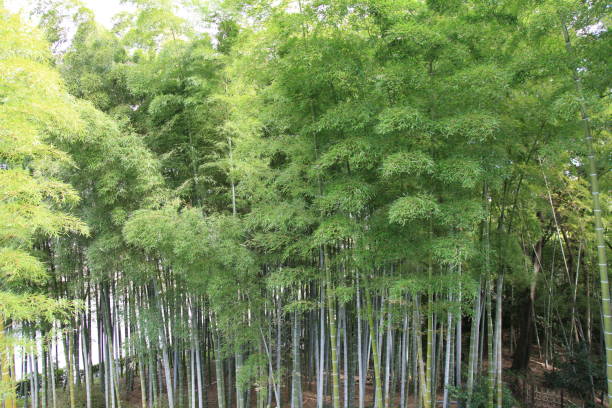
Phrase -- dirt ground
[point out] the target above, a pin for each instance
(537, 369)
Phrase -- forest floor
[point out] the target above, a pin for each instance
(535, 377)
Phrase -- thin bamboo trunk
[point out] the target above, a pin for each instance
(240, 400)
(388, 362)
(191, 383)
(271, 370)
(164, 348)
(201, 386)
(347, 374)
(425, 395)
(5, 358)
(52, 370)
(44, 374)
(498, 340)
(262, 389)
(278, 351)
(404, 359)
(447, 361)
(430, 348)
(491, 362)
(219, 370)
(602, 257)
(377, 370)
(87, 369)
(70, 370)
(296, 380)
(360, 361)
(459, 335)
(112, 372)
(321, 360)
(474, 336)
(331, 307)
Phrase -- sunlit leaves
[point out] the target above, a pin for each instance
(416, 38)
(20, 40)
(154, 23)
(413, 163)
(544, 17)
(408, 209)
(349, 196)
(348, 116)
(334, 231)
(21, 221)
(289, 216)
(403, 119)
(17, 266)
(357, 153)
(286, 277)
(162, 107)
(18, 185)
(465, 173)
(344, 294)
(114, 161)
(34, 107)
(462, 214)
(193, 245)
(477, 127)
(148, 228)
(479, 86)
(32, 307)
(453, 250)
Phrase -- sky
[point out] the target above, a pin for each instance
(104, 10)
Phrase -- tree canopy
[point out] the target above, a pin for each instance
(271, 203)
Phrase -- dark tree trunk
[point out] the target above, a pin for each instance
(520, 360)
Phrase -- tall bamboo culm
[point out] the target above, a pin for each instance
(602, 258)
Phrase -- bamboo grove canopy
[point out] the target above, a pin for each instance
(330, 203)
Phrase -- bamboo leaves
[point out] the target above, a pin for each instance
(409, 164)
(33, 107)
(408, 209)
(324, 193)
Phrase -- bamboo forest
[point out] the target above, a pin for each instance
(305, 203)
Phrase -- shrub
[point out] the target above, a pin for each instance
(579, 372)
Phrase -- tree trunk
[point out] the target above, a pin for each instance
(375, 350)
(70, 370)
(360, 362)
(474, 337)
(403, 359)
(388, 362)
(602, 257)
(219, 370)
(498, 340)
(520, 360)
(296, 380)
(447, 361)
(425, 395)
(331, 307)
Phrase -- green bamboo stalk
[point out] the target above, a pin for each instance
(377, 370)
(498, 340)
(334, 352)
(425, 394)
(602, 258)
(473, 356)
(491, 363)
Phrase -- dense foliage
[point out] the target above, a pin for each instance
(303, 203)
